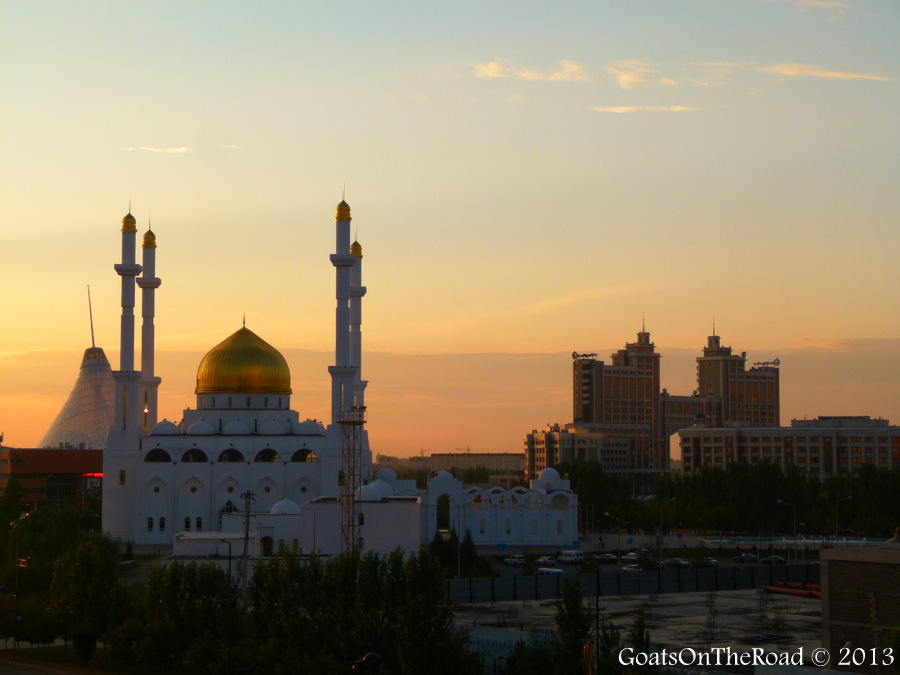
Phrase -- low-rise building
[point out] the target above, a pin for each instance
(557, 443)
(824, 446)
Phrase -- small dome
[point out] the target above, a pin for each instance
(342, 212)
(444, 475)
(549, 474)
(243, 363)
(285, 507)
(308, 428)
(387, 475)
(368, 493)
(164, 428)
(200, 428)
(356, 249)
(149, 240)
(381, 487)
(274, 428)
(129, 223)
(236, 428)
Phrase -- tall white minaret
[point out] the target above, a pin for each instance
(343, 373)
(357, 291)
(126, 377)
(148, 384)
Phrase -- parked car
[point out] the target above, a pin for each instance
(605, 559)
(707, 562)
(774, 560)
(515, 561)
(675, 562)
(549, 570)
(546, 560)
(632, 568)
(747, 558)
(571, 557)
(631, 556)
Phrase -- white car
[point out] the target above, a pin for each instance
(549, 571)
(515, 560)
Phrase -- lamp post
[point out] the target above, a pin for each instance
(618, 533)
(228, 615)
(836, 505)
(659, 538)
(20, 562)
(793, 519)
(793, 514)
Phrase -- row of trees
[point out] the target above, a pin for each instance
(323, 614)
(744, 498)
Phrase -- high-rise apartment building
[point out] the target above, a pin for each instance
(748, 397)
(622, 399)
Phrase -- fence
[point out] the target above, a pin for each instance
(648, 582)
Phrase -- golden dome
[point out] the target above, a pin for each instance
(128, 223)
(243, 363)
(149, 239)
(343, 211)
(356, 249)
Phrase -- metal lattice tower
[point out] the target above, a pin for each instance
(351, 421)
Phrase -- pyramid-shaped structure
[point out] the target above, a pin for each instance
(88, 412)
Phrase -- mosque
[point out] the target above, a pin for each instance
(242, 464)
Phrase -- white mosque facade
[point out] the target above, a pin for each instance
(184, 483)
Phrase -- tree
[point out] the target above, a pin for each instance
(84, 592)
(573, 623)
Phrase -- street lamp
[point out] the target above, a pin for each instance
(659, 538)
(836, 505)
(793, 514)
(20, 562)
(618, 533)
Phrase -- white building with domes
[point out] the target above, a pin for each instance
(184, 482)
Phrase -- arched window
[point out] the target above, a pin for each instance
(198, 523)
(559, 502)
(122, 477)
(267, 455)
(231, 455)
(478, 503)
(162, 523)
(157, 455)
(150, 524)
(194, 455)
(187, 523)
(304, 455)
(267, 545)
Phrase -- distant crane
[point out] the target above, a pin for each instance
(767, 364)
(576, 356)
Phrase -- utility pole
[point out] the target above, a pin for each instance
(242, 573)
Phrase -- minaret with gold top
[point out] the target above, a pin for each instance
(342, 372)
(126, 377)
(148, 384)
(357, 291)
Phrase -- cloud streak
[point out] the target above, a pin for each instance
(822, 4)
(568, 71)
(620, 109)
(806, 70)
(173, 151)
(631, 72)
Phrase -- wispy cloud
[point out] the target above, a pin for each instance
(805, 70)
(569, 71)
(630, 73)
(822, 4)
(644, 108)
(174, 151)
(715, 73)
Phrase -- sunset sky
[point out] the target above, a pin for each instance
(525, 178)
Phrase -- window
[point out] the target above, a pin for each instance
(162, 523)
(187, 524)
(198, 523)
(559, 527)
(481, 527)
(122, 477)
(150, 524)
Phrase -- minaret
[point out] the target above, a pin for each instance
(148, 385)
(343, 373)
(126, 377)
(357, 291)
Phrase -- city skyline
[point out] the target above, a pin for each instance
(523, 181)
